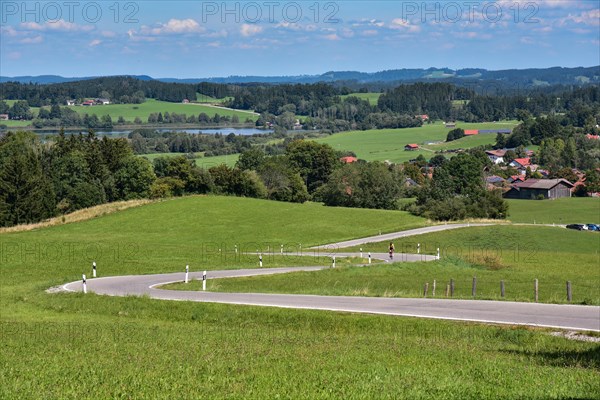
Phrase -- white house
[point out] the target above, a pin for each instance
(70, 102)
(496, 156)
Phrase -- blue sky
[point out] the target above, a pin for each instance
(207, 39)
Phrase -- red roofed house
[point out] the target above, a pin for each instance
(536, 188)
(411, 147)
(471, 132)
(593, 137)
(424, 117)
(520, 163)
(516, 179)
(348, 160)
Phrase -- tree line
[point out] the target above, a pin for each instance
(39, 180)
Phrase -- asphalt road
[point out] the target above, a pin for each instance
(386, 237)
(572, 317)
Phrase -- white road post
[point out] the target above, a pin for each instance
(333, 263)
(84, 283)
(418, 248)
(281, 249)
(236, 249)
(187, 273)
(260, 260)
(204, 281)
(438, 253)
(94, 269)
(361, 253)
(369, 257)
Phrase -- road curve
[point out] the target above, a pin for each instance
(395, 235)
(572, 317)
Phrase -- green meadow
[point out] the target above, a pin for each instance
(199, 159)
(572, 210)
(388, 144)
(516, 255)
(143, 110)
(371, 97)
(76, 346)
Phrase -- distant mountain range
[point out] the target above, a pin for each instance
(530, 77)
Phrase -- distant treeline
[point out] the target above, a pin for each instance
(321, 106)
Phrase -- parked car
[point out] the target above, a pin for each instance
(593, 227)
(578, 227)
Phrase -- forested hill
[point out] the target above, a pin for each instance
(525, 77)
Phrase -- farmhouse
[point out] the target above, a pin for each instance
(3, 117)
(450, 124)
(348, 160)
(88, 103)
(70, 102)
(496, 156)
(536, 188)
(424, 117)
(411, 147)
(593, 137)
(471, 132)
(185, 101)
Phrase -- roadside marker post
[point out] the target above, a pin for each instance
(282, 249)
(187, 273)
(94, 269)
(84, 283)
(333, 262)
(260, 261)
(369, 257)
(433, 289)
(438, 254)
(204, 281)
(236, 250)
(418, 248)
(361, 253)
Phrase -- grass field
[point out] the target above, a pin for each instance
(388, 144)
(371, 97)
(74, 346)
(516, 255)
(130, 111)
(573, 210)
(200, 160)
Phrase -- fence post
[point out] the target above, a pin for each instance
(447, 290)
(426, 289)
(474, 287)
(502, 289)
(536, 290)
(433, 289)
(451, 287)
(569, 292)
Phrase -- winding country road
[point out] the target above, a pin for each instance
(572, 317)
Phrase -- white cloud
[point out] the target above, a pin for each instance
(32, 40)
(250, 30)
(332, 36)
(173, 26)
(94, 43)
(293, 26)
(14, 55)
(402, 24)
(60, 25)
(591, 17)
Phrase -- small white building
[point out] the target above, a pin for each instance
(496, 156)
(70, 102)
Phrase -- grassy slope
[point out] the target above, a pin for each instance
(561, 211)
(72, 346)
(388, 144)
(517, 255)
(204, 162)
(130, 111)
(372, 97)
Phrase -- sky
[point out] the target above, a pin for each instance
(199, 39)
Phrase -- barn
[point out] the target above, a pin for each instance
(534, 188)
